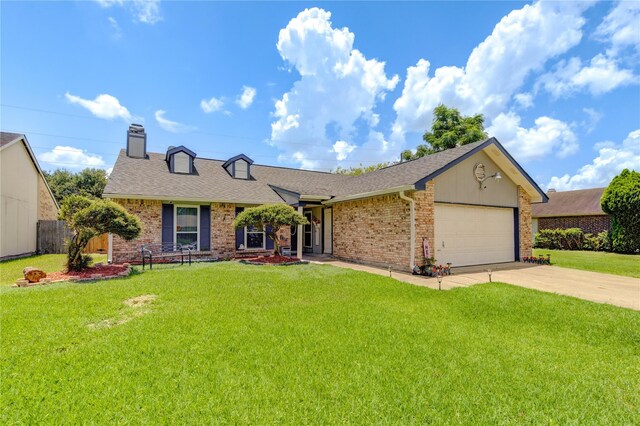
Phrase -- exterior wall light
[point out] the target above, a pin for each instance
(481, 176)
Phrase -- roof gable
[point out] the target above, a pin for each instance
(7, 139)
(236, 158)
(180, 148)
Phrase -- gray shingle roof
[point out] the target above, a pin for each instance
(582, 202)
(151, 178)
(7, 137)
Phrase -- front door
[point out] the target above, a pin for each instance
(307, 237)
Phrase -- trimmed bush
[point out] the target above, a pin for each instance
(571, 239)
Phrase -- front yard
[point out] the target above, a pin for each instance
(229, 343)
(596, 261)
(11, 270)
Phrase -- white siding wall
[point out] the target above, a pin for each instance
(18, 201)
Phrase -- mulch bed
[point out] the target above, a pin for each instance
(104, 270)
(272, 260)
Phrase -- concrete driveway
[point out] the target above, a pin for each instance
(594, 286)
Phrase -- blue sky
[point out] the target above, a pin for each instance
(321, 85)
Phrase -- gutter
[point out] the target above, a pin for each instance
(369, 194)
(411, 201)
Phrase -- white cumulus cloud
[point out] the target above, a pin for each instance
(611, 160)
(211, 105)
(71, 158)
(337, 90)
(548, 137)
(246, 97)
(521, 43)
(621, 26)
(103, 106)
(602, 75)
(169, 125)
(343, 149)
(146, 11)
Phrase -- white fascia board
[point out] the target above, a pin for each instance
(314, 197)
(370, 194)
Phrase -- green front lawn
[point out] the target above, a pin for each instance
(597, 261)
(230, 343)
(11, 270)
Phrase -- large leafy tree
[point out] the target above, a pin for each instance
(271, 218)
(621, 200)
(88, 218)
(88, 182)
(448, 130)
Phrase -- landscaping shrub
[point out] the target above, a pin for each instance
(88, 218)
(571, 239)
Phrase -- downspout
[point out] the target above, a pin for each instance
(412, 215)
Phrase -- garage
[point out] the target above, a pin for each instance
(473, 235)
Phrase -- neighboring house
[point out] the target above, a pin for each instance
(25, 197)
(571, 209)
(451, 199)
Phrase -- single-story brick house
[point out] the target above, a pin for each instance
(472, 204)
(571, 209)
(25, 197)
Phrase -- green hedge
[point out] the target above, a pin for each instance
(571, 239)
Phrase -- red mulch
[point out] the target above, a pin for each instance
(272, 259)
(104, 270)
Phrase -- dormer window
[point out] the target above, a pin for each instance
(181, 163)
(239, 167)
(180, 160)
(242, 169)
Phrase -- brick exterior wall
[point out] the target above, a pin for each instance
(588, 224)
(524, 222)
(223, 235)
(47, 209)
(376, 230)
(150, 214)
(424, 218)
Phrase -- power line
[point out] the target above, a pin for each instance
(223, 153)
(200, 132)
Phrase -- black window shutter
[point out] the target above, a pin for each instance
(239, 231)
(167, 226)
(205, 228)
(269, 241)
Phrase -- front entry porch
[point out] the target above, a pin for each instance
(315, 238)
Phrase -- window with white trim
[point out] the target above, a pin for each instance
(254, 237)
(187, 221)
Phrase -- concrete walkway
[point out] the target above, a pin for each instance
(594, 286)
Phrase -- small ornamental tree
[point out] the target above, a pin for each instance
(271, 218)
(621, 200)
(88, 218)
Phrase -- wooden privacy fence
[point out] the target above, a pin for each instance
(53, 233)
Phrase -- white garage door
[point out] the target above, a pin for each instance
(469, 235)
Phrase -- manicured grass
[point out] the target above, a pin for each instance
(11, 270)
(230, 343)
(598, 261)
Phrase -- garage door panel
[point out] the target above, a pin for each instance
(473, 235)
